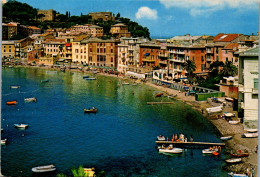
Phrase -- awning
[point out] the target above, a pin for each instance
(147, 54)
(68, 45)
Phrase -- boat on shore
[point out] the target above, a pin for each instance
(125, 83)
(233, 122)
(236, 175)
(226, 138)
(12, 102)
(239, 154)
(42, 169)
(90, 110)
(33, 99)
(161, 138)
(21, 126)
(249, 135)
(234, 160)
(3, 142)
(159, 95)
(90, 78)
(15, 86)
(44, 80)
(84, 77)
(252, 130)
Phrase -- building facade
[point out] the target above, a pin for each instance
(8, 49)
(48, 15)
(105, 16)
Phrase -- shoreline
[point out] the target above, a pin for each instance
(223, 127)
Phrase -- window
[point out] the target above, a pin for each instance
(90, 49)
(193, 51)
(5, 46)
(104, 50)
(97, 50)
(187, 50)
(111, 59)
(202, 67)
(180, 67)
(256, 83)
(90, 58)
(254, 96)
(175, 66)
(152, 57)
(202, 59)
(111, 50)
(226, 59)
(217, 50)
(217, 58)
(202, 51)
(76, 50)
(193, 58)
(4, 50)
(9, 50)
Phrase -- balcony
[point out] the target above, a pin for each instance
(177, 60)
(241, 88)
(163, 62)
(179, 52)
(254, 91)
(148, 59)
(209, 51)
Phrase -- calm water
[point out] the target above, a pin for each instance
(119, 139)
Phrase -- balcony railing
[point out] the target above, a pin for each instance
(255, 91)
(177, 60)
(179, 52)
(163, 62)
(209, 51)
(148, 59)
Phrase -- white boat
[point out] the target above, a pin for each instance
(33, 99)
(3, 142)
(236, 175)
(234, 122)
(226, 137)
(46, 168)
(229, 114)
(15, 86)
(161, 138)
(236, 160)
(252, 130)
(229, 99)
(207, 151)
(172, 151)
(90, 78)
(214, 109)
(20, 125)
(125, 83)
(250, 135)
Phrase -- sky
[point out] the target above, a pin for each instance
(169, 18)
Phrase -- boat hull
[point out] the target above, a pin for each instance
(172, 151)
(226, 138)
(44, 169)
(11, 102)
(232, 161)
(90, 111)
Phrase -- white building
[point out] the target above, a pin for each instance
(248, 87)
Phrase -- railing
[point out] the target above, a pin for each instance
(177, 60)
(255, 91)
(163, 62)
(209, 51)
(179, 52)
(148, 59)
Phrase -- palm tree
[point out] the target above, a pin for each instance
(229, 69)
(190, 67)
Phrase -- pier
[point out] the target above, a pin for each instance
(151, 103)
(189, 144)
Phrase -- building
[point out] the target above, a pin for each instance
(47, 15)
(54, 47)
(229, 85)
(8, 49)
(105, 16)
(120, 30)
(20, 45)
(248, 87)
(222, 38)
(80, 50)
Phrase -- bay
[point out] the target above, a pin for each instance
(119, 139)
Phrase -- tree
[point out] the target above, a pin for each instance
(229, 69)
(117, 15)
(190, 67)
(78, 172)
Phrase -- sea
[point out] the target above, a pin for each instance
(119, 139)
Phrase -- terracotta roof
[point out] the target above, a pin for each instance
(34, 27)
(11, 25)
(231, 46)
(225, 37)
(54, 41)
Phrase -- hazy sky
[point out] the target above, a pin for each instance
(167, 18)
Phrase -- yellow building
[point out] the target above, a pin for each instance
(120, 30)
(49, 61)
(49, 15)
(80, 50)
(105, 16)
(8, 49)
(54, 47)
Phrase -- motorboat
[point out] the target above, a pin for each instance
(215, 153)
(11, 102)
(161, 138)
(252, 130)
(209, 151)
(171, 149)
(229, 99)
(236, 175)
(33, 99)
(240, 154)
(229, 114)
(234, 122)
(90, 78)
(159, 95)
(84, 77)
(226, 137)
(44, 80)
(15, 86)
(125, 83)
(90, 110)
(21, 125)
(46, 168)
(249, 135)
(234, 160)
(3, 142)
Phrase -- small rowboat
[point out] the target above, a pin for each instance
(46, 168)
(3, 142)
(237, 160)
(15, 86)
(90, 110)
(234, 122)
(159, 95)
(172, 151)
(161, 138)
(125, 83)
(240, 154)
(11, 102)
(249, 135)
(84, 77)
(252, 130)
(207, 151)
(226, 137)
(33, 99)
(229, 99)
(21, 125)
(236, 175)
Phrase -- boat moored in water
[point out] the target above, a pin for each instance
(90, 110)
(161, 138)
(170, 149)
(42, 169)
(33, 99)
(12, 102)
(15, 86)
(3, 142)
(21, 125)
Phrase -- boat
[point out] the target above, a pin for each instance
(51, 72)
(171, 149)
(33, 99)
(249, 135)
(226, 137)
(214, 109)
(90, 78)
(236, 175)
(11, 102)
(252, 130)
(233, 122)
(215, 153)
(240, 154)
(90, 110)
(45, 80)
(84, 77)
(15, 86)
(161, 138)
(172, 96)
(159, 95)
(42, 169)
(125, 83)
(234, 160)
(209, 151)
(229, 114)
(20, 125)
(3, 142)
(229, 99)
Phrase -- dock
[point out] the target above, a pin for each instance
(199, 144)
(151, 103)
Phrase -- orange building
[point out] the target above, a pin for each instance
(149, 55)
